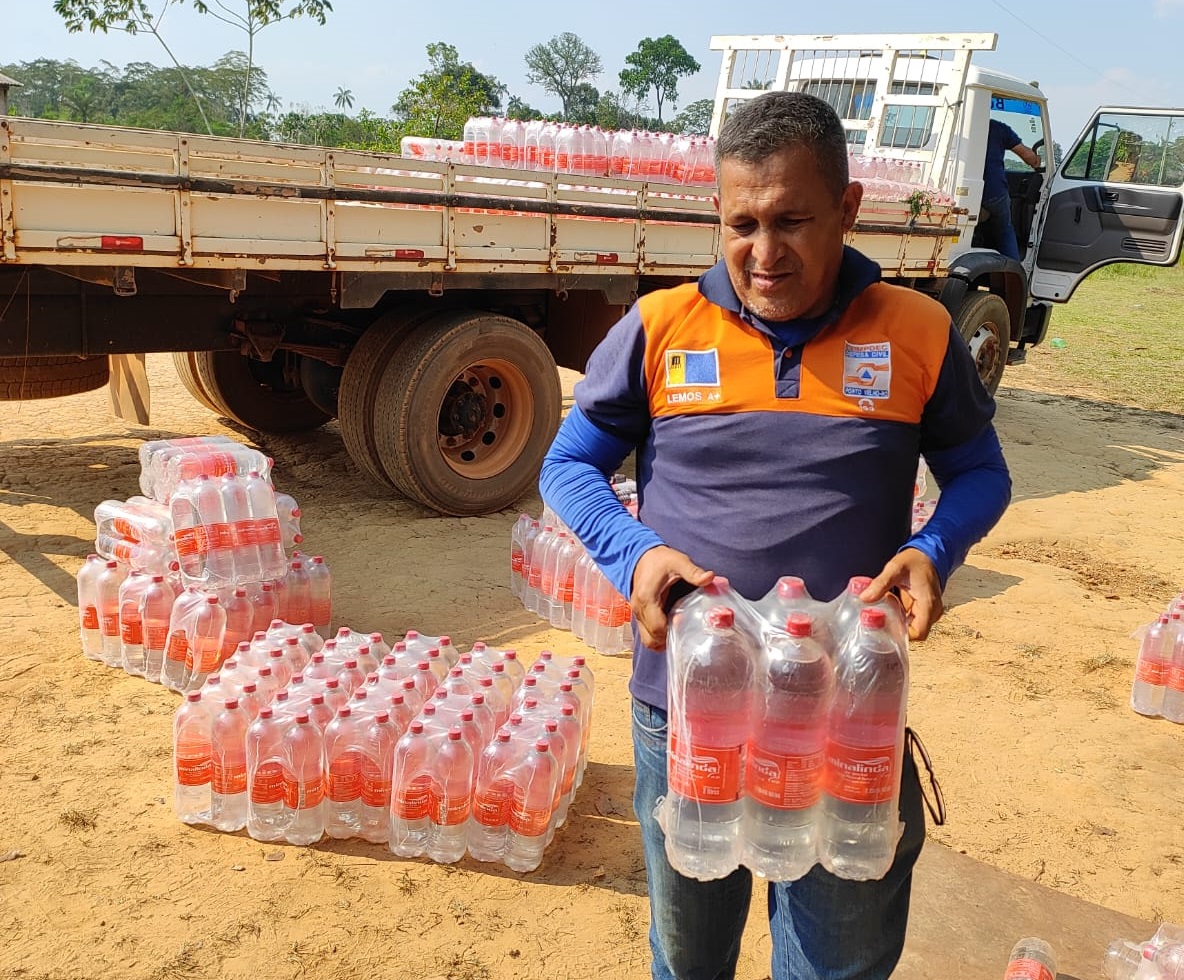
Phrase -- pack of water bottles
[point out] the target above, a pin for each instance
(1157, 690)
(420, 747)
(184, 573)
(786, 732)
(557, 580)
(1159, 958)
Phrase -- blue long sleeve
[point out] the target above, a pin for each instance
(975, 491)
(574, 482)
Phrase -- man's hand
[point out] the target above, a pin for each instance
(657, 570)
(920, 590)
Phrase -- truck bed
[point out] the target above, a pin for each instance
(80, 195)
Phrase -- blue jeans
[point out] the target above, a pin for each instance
(998, 230)
(822, 927)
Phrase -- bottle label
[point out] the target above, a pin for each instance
(705, 774)
(178, 647)
(1153, 671)
(345, 778)
(243, 533)
(448, 811)
(267, 531)
(785, 782)
(566, 591)
(491, 806)
(229, 778)
(547, 582)
(191, 542)
(376, 787)
(194, 761)
(90, 618)
(516, 560)
(1176, 678)
(302, 794)
(529, 821)
(1025, 969)
(861, 774)
(207, 653)
(156, 637)
(569, 780)
(413, 801)
(131, 631)
(621, 613)
(111, 624)
(268, 784)
(220, 536)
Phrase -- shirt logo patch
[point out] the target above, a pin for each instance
(867, 370)
(692, 368)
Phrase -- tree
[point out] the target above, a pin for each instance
(657, 64)
(695, 119)
(561, 66)
(134, 17)
(582, 105)
(343, 98)
(516, 108)
(438, 102)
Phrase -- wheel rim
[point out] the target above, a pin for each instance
(485, 419)
(986, 350)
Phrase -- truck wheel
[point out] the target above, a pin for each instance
(186, 370)
(359, 387)
(263, 395)
(27, 378)
(466, 411)
(984, 323)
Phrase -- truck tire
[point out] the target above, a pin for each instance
(984, 323)
(28, 378)
(183, 363)
(257, 394)
(466, 412)
(359, 387)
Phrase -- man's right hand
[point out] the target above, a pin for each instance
(657, 570)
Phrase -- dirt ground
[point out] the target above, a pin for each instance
(1020, 695)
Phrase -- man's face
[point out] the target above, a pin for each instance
(783, 227)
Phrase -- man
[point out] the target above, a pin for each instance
(998, 231)
(777, 408)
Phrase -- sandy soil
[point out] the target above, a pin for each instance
(1020, 695)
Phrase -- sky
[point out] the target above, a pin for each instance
(374, 47)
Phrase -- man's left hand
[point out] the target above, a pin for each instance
(913, 574)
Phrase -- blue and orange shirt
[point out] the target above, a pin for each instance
(767, 449)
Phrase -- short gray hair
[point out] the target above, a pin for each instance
(765, 126)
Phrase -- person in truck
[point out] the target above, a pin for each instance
(780, 466)
(995, 215)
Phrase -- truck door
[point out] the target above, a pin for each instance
(1117, 197)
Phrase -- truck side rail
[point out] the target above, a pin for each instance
(72, 194)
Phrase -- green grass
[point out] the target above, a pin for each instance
(1124, 341)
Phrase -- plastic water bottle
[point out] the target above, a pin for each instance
(131, 626)
(289, 514)
(489, 821)
(452, 794)
(536, 780)
(228, 776)
(267, 817)
(581, 576)
(88, 607)
(107, 592)
(240, 621)
(411, 792)
(865, 753)
(219, 536)
(517, 534)
(790, 596)
(343, 762)
(174, 674)
(156, 606)
(266, 525)
(377, 764)
(567, 553)
(786, 752)
(299, 594)
(192, 760)
(711, 679)
(304, 782)
(1173, 696)
(204, 641)
(539, 551)
(1031, 959)
(1152, 668)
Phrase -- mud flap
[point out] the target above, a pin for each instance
(131, 399)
